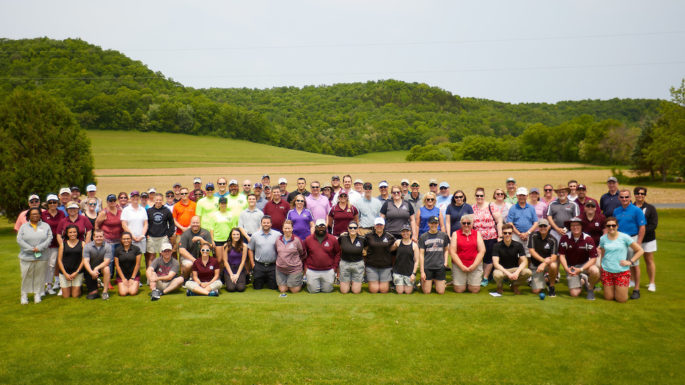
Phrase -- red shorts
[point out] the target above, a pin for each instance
(136, 279)
(615, 279)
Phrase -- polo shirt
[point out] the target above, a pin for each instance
(609, 202)
(324, 255)
(205, 273)
(127, 261)
(416, 203)
(522, 218)
(162, 268)
(206, 205)
(264, 245)
(277, 212)
(369, 210)
(434, 246)
(545, 247)
(236, 204)
(221, 224)
(183, 214)
(53, 221)
(577, 252)
(81, 222)
(629, 219)
(97, 254)
(301, 222)
(250, 220)
(351, 251)
(319, 206)
(396, 217)
(508, 255)
(378, 253)
(562, 212)
(342, 216)
(194, 247)
(595, 227)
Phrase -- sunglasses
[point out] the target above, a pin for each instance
(506, 232)
(92, 204)
(480, 196)
(640, 193)
(313, 187)
(542, 226)
(548, 189)
(499, 194)
(414, 185)
(443, 188)
(433, 184)
(222, 184)
(611, 226)
(352, 227)
(34, 201)
(430, 199)
(52, 202)
(171, 195)
(205, 250)
(405, 184)
(465, 223)
(247, 185)
(184, 193)
(299, 201)
(458, 197)
(626, 197)
(123, 197)
(396, 192)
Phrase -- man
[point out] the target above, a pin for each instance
(251, 218)
(542, 248)
(183, 212)
(76, 194)
(548, 196)
(509, 260)
(649, 240)
(177, 192)
(223, 188)
(523, 217)
(433, 257)
(301, 189)
(561, 211)
(277, 209)
(609, 201)
(414, 197)
(359, 186)
(170, 200)
(91, 190)
(34, 202)
(593, 221)
(369, 208)
(335, 184)
(384, 192)
(207, 205)
(433, 186)
(262, 252)
(573, 186)
(578, 254)
(96, 258)
(317, 203)
(322, 259)
(258, 190)
(631, 221)
(264, 198)
(444, 197)
(190, 244)
(283, 188)
(266, 180)
(144, 198)
(404, 187)
(197, 186)
(235, 202)
(64, 199)
(164, 273)
(352, 196)
(161, 228)
(582, 199)
(247, 187)
(511, 191)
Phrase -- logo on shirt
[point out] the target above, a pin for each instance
(596, 224)
(385, 240)
(357, 244)
(326, 244)
(546, 245)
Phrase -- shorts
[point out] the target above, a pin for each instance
(472, 278)
(516, 238)
(219, 243)
(538, 280)
(154, 244)
(574, 280)
(402, 280)
(137, 278)
(616, 279)
(378, 274)
(351, 271)
(631, 253)
(436, 274)
(186, 262)
(289, 280)
(76, 282)
(649, 247)
(190, 285)
(142, 244)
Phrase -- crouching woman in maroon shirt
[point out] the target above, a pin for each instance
(205, 274)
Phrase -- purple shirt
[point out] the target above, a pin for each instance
(319, 207)
(234, 257)
(301, 222)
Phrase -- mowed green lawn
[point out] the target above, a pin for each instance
(257, 337)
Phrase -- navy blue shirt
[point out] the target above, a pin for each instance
(608, 202)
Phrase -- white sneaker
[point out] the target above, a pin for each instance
(651, 287)
(24, 299)
(50, 290)
(631, 284)
(60, 292)
(36, 298)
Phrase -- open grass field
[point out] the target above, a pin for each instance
(257, 337)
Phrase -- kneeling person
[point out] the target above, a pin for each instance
(509, 260)
(543, 258)
(323, 257)
(164, 273)
(578, 254)
(205, 270)
(96, 258)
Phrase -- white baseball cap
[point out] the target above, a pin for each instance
(282, 180)
(65, 190)
(379, 221)
(51, 197)
(521, 191)
(232, 182)
(91, 187)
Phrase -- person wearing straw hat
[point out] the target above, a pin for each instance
(561, 211)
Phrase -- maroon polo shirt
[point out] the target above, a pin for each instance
(205, 273)
(342, 217)
(53, 222)
(324, 255)
(581, 206)
(278, 212)
(81, 222)
(594, 228)
(577, 252)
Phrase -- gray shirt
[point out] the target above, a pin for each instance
(562, 213)
(194, 247)
(264, 245)
(369, 210)
(96, 255)
(261, 202)
(28, 238)
(251, 221)
(434, 246)
(415, 203)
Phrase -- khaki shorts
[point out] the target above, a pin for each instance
(154, 244)
(76, 282)
(574, 280)
(473, 278)
(499, 276)
(538, 281)
(190, 285)
(351, 271)
(186, 262)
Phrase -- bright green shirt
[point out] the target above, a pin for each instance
(206, 206)
(221, 224)
(236, 205)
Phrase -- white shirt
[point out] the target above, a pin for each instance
(135, 219)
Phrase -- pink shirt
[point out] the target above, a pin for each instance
(484, 222)
(318, 206)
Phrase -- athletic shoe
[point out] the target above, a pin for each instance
(140, 284)
(651, 287)
(484, 282)
(283, 295)
(214, 293)
(55, 284)
(100, 282)
(92, 296)
(24, 299)
(635, 295)
(37, 298)
(105, 295)
(155, 295)
(590, 295)
(631, 284)
(49, 289)
(552, 291)
(60, 292)
(189, 293)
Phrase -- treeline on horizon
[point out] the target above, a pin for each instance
(106, 90)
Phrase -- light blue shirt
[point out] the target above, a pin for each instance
(522, 218)
(369, 210)
(614, 252)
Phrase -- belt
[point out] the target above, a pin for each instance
(265, 264)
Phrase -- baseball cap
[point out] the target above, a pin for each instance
(75, 188)
(405, 227)
(511, 179)
(169, 192)
(232, 182)
(223, 200)
(379, 221)
(282, 180)
(335, 177)
(320, 222)
(358, 181)
(34, 196)
(266, 176)
(368, 186)
(151, 190)
(72, 205)
(177, 184)
(612, 179)
(535, 190)
(433, 219)
(521, 191)
(590, 203)
(134, 193)
(575, 220)
(432, 181)
(166, 246)
(543, 221)
(415, 183)
(111, 198)
(64, 190)
(91, 187)
(404, 181)
(267, 187)
(197, 180)
(257, 185)
(581, 187)
(383, 184)
(144, 194)
(51, 197)
(444, 184)
(209, 185)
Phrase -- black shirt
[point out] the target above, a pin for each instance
(72, 256)
(127, 261)
(652, 222)
(545, 247)
(295, 193)
(508, 255)
(378, 253)
(160, 222)
(404, 262)
(351, 252)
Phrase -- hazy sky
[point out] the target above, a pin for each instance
(516, 51)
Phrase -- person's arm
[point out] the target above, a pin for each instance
(414, 228)
(186, 254)
(421, 263)
(638, 251)
(417, 219)
(441, 221)
(415, 248)
(145, 227)
(641, 234)
(136, 268)
(562, 260)
(652, 219)
(251, 253)
(531, 230)
(453, 253)
(60, 256)
(196, 279)
(89, 270)
(554, 225)
(171, 225)
(523, 262)
(244, 234)
(22, 243)
(80, 265)
(120, 272)
(242, 262)
(448, 223)
(446, 255)
(497, 266)
(311, 227)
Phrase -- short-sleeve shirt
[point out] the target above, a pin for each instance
(251, 220)
(96, 255)
(127, 261)
(434, 246)
(205, 273)
(522, 218)
(562, 212)
(342, 216)
(183, 214)
(544, 247)
(221, 223)
(369, 210)
(264, 245)
(319, 207)
(629, 219)
(135, 218)
(53, 222)
(396, 217)
(162, 268)
(426, 213)
(277, 212)
(378, 249)
(577, 252)
(194, 247)
(351, 251)
(206, 205)
(301, 222)
(595, 227)
(614, 252)
(82, 223)
(508, 255)
(455, 213)
(236, 204)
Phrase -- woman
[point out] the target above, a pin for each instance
(74, 218)
(342, 214)
(467, 250)
(327, 191)
(499, 206)
(34, 238)
(489, 224)
(219, 225)
(70, 262)
(123, 200)
(301, 218)
(534, 200)
(379, 247)
(351, 269)
(90, 213)
(109, 220)
(205, 274)
(426, 211)
(289, 255)
(649, 240)
(127, 261)
(234, 263)
(455, 210)
(397, 212)
(406, 263)
(613, 251)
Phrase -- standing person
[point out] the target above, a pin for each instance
(406, 263)
(134, 221)
(318, 204)
(548, 196)
(383, 189)
(301, 190)
(467, 253)
(76, 194)
(247, 187)
(397, 212)
(578, 254)
(34, 202)
(582, 198)
(90, 213)
(289, 267)
(609, 201)
(342, 214)
(489, 224)
(455, 210)
(359, 186)
(404, 185)
(109, 220)
(327, 191)
(262, 252)
(561, 211)
(301, 218)
(613, 251)
(498, 205)
(208, 204)
(543, 249)
(414, 197)
(183, 212)
(509, 260)
(205, 274)
(283, 188)
(161, 228)
(322, 259)
(144, 198)
(335, 186)
(433, 257)
(277, 209)
(64, 199)
(351, 267)
(265, 198)
(427, 210)
(170, 201)
(511, 191)
(127, 261)
(74, 218)
(96, 259)
(258, 191)
(235, 265)
(250, 220)
(433, 186)
(573, 187)
(123, 200)
(649, 240)
(523, 217)
(70, 262)
(190, 244)
(235, 201)
(53, 217)
(369, 208)
(164, 273)
(222, 187)
(197, 192)
(91, 190)
(352, 196)
(379, 247)
(219, 224)
(540, 206)
(444, 197)
(631, 221)
(34, 238)
(594, 223)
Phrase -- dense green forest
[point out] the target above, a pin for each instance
(108, 91)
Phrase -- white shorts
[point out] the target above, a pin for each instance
(649, 247)
(76, 282)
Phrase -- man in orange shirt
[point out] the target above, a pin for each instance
(184, 211)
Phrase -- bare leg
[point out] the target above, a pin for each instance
(474, 289)
(356, 287)
(344, 287)
(635, 276)
(174, 284)
(295, 289)
(459, 289)
(609, 292)
(426, 286)
(621, 293)
(651, 267)
(373, 287)
(384, 287)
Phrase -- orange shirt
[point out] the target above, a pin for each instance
(184, 213)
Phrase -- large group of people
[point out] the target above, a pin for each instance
(338, 233)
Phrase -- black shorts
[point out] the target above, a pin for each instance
(219, 243)
(435, 274)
